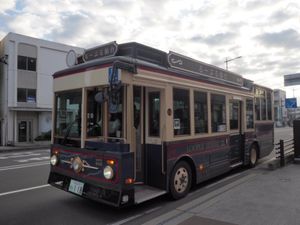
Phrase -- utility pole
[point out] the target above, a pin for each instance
(228, 60)
(3, 122)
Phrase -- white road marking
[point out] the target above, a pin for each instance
(13, 167)
(25, 189)
(33, 159)
(19, 156)
(135, 216)
(126, 220)
(22, 154)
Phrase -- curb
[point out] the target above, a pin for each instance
(275, 164)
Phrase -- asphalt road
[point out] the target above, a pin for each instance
(25, 197)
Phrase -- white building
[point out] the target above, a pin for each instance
(26, 98)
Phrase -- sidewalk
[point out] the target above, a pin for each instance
(33, 146)
(263, 197)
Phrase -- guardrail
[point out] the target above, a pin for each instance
(283, 149)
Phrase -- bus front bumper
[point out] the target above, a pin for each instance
(96, 192)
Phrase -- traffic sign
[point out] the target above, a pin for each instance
(291, 103)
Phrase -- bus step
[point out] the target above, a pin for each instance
(236, 164)
(143, 193)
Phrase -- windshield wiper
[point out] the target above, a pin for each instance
(68, 132)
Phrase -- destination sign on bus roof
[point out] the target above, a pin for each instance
(181, 62)
(106, 50)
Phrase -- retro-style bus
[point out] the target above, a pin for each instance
(131, 122)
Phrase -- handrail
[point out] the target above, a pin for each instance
(285, 147)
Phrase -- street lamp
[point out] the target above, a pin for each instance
(228, 60)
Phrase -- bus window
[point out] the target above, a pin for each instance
(218, 113)
(181, 108)
(200, 112)
(115, 115)
(269, 105)
(249, 113)
(263, 108)
(94, 116)
(234, 115)
(257, 108)
(261, 105)
(154, 111)
(68, 114)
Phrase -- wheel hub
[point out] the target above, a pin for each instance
(253, 156)
(181, 180)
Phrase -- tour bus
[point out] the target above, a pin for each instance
(131, 123)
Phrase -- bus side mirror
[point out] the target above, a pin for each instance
(100, 97)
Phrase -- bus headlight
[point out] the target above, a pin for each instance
(108, 172)
(77, 165)
(54, 160)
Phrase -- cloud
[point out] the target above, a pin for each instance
(264, 33)
(216, 39)
(289, 39)
(256, 4)
(279, 17)
(6, 5)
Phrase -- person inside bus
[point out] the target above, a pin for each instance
(114, 125)
(136, 117)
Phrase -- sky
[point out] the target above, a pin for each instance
(265, 33)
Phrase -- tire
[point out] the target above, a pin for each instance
(253, 156)
(180, 180)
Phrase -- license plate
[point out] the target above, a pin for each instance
(76, 187)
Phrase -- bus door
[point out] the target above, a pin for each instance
(147, 124)
(154, 174)
(147, 129)
(138, 131)
(236, 134)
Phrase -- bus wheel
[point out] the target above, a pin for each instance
(181, 180)
(253, 156)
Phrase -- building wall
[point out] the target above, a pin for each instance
(47, 58)
(45, 122)
(50, 57)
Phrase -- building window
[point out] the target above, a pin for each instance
(26, 95)
(22, 62)
(26, 63)
(218, 113)
(181, 108)
(31, 63)
(200, 112)
(21, 95)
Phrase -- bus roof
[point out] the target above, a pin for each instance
(143, 56)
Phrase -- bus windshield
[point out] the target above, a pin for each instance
(68, 119)
(68, 114)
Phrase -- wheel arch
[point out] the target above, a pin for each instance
(192, 165)
(257, 148)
